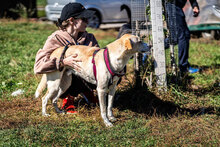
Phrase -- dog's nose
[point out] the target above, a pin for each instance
(145, 47)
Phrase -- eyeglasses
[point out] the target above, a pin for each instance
(83, 19)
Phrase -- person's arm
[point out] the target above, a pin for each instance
(194, 3)
(43, 62)
(72, 62)
(195, 7)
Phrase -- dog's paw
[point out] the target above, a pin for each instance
(108, 124)
(46, 115)
(37, 94)
(112, 119)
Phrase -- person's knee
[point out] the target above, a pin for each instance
(183, 35)
(187, 35)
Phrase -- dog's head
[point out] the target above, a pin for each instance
(133, 44)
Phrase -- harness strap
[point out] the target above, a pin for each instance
(93, 62)
(109, 67)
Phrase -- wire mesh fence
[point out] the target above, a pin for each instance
(139, 18)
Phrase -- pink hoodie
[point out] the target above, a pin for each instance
(43, 63)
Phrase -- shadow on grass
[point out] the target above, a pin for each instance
(213, 89)
(204, 68)
(186, 83)
(145, 102)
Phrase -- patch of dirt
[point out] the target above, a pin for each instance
(184, 130)
(27, 111)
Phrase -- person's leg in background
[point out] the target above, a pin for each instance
(183, 43)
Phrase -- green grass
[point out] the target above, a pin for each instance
(187, 115)
(76, 133)
(19, 44)
(206, 55)
(202, 88)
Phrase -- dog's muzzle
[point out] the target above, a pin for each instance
(145, 48)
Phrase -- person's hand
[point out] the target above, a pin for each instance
(195, 11)
(72, 62)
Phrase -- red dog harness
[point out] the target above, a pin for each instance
(108, 65)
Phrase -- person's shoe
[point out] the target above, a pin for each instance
(71, 112)
(64, 103)
(193, 70)
(68, 105)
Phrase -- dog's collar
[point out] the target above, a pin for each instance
(60, 66)
(108, 65)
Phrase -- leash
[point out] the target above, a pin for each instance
(108, 65)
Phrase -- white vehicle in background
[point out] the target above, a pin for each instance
(207, 24)
(107, 11)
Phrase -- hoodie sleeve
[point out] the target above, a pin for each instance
(43, 62)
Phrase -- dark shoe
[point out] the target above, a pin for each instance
(183, 75)
(71, 112)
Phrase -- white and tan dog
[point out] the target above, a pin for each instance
(120, 51)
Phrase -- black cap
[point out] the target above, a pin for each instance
(75, 10)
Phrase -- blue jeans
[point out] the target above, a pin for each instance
(183, 40)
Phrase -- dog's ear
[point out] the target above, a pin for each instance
(128, 44)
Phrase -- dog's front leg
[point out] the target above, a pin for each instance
(102, 103)
(64, 84)
(45, 99)
(111, 95)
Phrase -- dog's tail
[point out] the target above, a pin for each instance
(41, 86)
